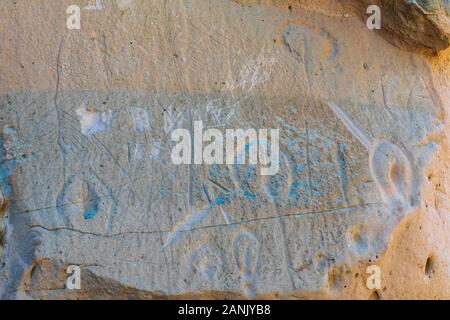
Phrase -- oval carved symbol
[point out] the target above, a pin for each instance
(83, 195)
(246, 252)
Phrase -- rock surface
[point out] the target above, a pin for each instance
(86, 176)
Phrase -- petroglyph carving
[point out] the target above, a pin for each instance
(305, 43)
(81, 196)
(366, 141)
(206, 262)
(173, 119)
(218, 201)
(246, 253)
(255, 72)
(389, 166)
(219, 116)
(277, 187)
(187, 224)
(226, 216)
(139, 151)
(105, 194)
(393, 175)
(307, 164)
(80, 193)
(141, 119)
(145, 151)
(156, 150)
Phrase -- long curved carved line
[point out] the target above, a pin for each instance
(351, 126)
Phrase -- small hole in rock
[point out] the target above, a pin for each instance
(429, 266)
(375, 296)
(33, 270)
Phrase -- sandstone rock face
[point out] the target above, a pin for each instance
(87, 178)
(414, 24)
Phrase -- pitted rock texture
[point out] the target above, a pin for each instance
(86, 175)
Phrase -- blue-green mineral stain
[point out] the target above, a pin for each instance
(88, 215)
(92, 203)
(219, 201)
